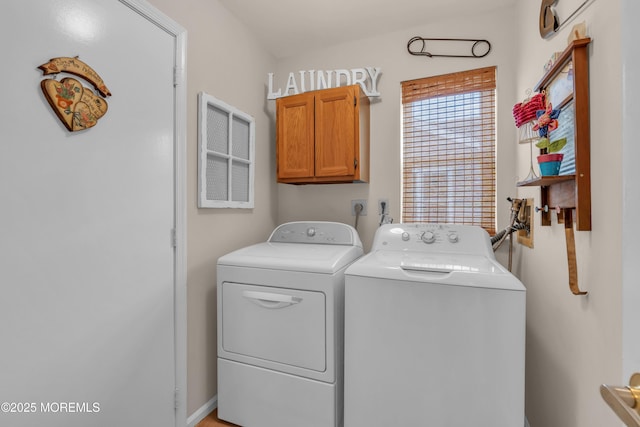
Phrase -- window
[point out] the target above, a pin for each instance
(226, 161)
(448, 149)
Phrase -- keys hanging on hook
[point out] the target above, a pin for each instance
(479, 47)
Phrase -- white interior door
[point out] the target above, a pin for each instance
(87, 263)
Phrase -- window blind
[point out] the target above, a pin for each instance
(448, 149)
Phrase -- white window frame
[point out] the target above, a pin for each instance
(204, 102)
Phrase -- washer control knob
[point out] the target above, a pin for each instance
(406, 236)
(453, 237)
(311, 231)
(428, 237)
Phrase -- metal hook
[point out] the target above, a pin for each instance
(476, 43)
(546, 208)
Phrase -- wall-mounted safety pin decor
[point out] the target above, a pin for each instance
(549, 22)
(454, 48)
(75, 105)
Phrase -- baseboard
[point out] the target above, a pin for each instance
(202, 412)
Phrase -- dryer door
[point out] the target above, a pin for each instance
(275, 324)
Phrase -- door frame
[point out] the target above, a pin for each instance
(630, 196)
(179, 33)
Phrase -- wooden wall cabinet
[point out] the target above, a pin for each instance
(323, 136)
(570, 191)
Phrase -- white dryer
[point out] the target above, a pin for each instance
(280, 327)
(434, 332)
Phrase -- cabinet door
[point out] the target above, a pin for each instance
(336, 132)
(295, 136)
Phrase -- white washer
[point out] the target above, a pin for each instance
(434, 332)
(280, 327)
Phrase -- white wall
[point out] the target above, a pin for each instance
(226, 61)
(389, 51)
(574, 342)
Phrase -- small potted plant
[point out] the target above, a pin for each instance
(549, 159)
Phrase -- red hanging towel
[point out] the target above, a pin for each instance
(524, 112)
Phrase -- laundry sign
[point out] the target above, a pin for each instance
(308, 80)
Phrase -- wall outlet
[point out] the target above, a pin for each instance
(364, 207)
(383, 206)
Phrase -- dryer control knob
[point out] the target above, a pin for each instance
(453, 237)
(406, 236)
(311, 231)
(428, 237)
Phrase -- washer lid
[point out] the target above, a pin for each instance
(446, 269)
(315, 258)
(308, 246)
(316, 232)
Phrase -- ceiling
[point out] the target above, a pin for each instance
(288, 27)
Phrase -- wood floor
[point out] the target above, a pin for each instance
(212, 420)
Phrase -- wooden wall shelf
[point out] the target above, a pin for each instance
(545, 181)
(570, 191)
